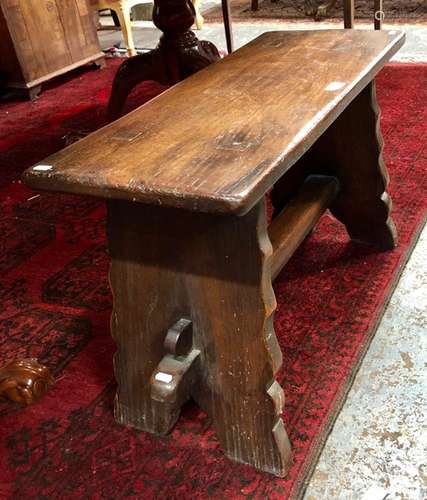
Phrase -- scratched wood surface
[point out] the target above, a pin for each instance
(169, 264)
(218, 140)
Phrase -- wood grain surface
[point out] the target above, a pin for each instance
(169, 264)
(289, 228)
(218, 140)
(40, 39)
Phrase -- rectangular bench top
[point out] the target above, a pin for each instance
(217, 141)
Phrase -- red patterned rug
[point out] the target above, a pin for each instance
(55, 305)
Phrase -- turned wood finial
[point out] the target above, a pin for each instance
(173, 16)
(24, 381)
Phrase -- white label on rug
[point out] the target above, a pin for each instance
(33, 197)
(42, 168)
(334, 86)
(163, 377)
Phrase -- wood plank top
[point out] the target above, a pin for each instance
(217, 141)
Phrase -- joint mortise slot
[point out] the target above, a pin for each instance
(297, 219)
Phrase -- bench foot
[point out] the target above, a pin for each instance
(170, 384)
(178, 55)
(211, 277)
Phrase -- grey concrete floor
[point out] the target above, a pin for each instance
(378, 447)
(146, 35)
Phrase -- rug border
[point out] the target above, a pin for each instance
(318, 445)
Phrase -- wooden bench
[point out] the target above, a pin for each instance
(192, 257)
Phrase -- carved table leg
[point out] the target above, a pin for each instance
(149, 66)
(351, 150)
(215, 271)
(178, 55)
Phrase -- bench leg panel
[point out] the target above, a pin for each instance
(351, 150)
(233, 305)
(215, 271)
(363, 204)
(147, 302)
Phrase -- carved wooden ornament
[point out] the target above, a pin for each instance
(24, 381)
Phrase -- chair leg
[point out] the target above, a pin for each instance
(226, 14)
(199, 18)
(115, 18)
(123, 14)
(379, 14)
(348, 14)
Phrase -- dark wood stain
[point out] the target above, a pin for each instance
(284, 120)
(192, 257)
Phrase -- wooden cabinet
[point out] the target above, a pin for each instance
(40, 39)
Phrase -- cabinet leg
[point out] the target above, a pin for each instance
(34, 92)
(100, 62)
